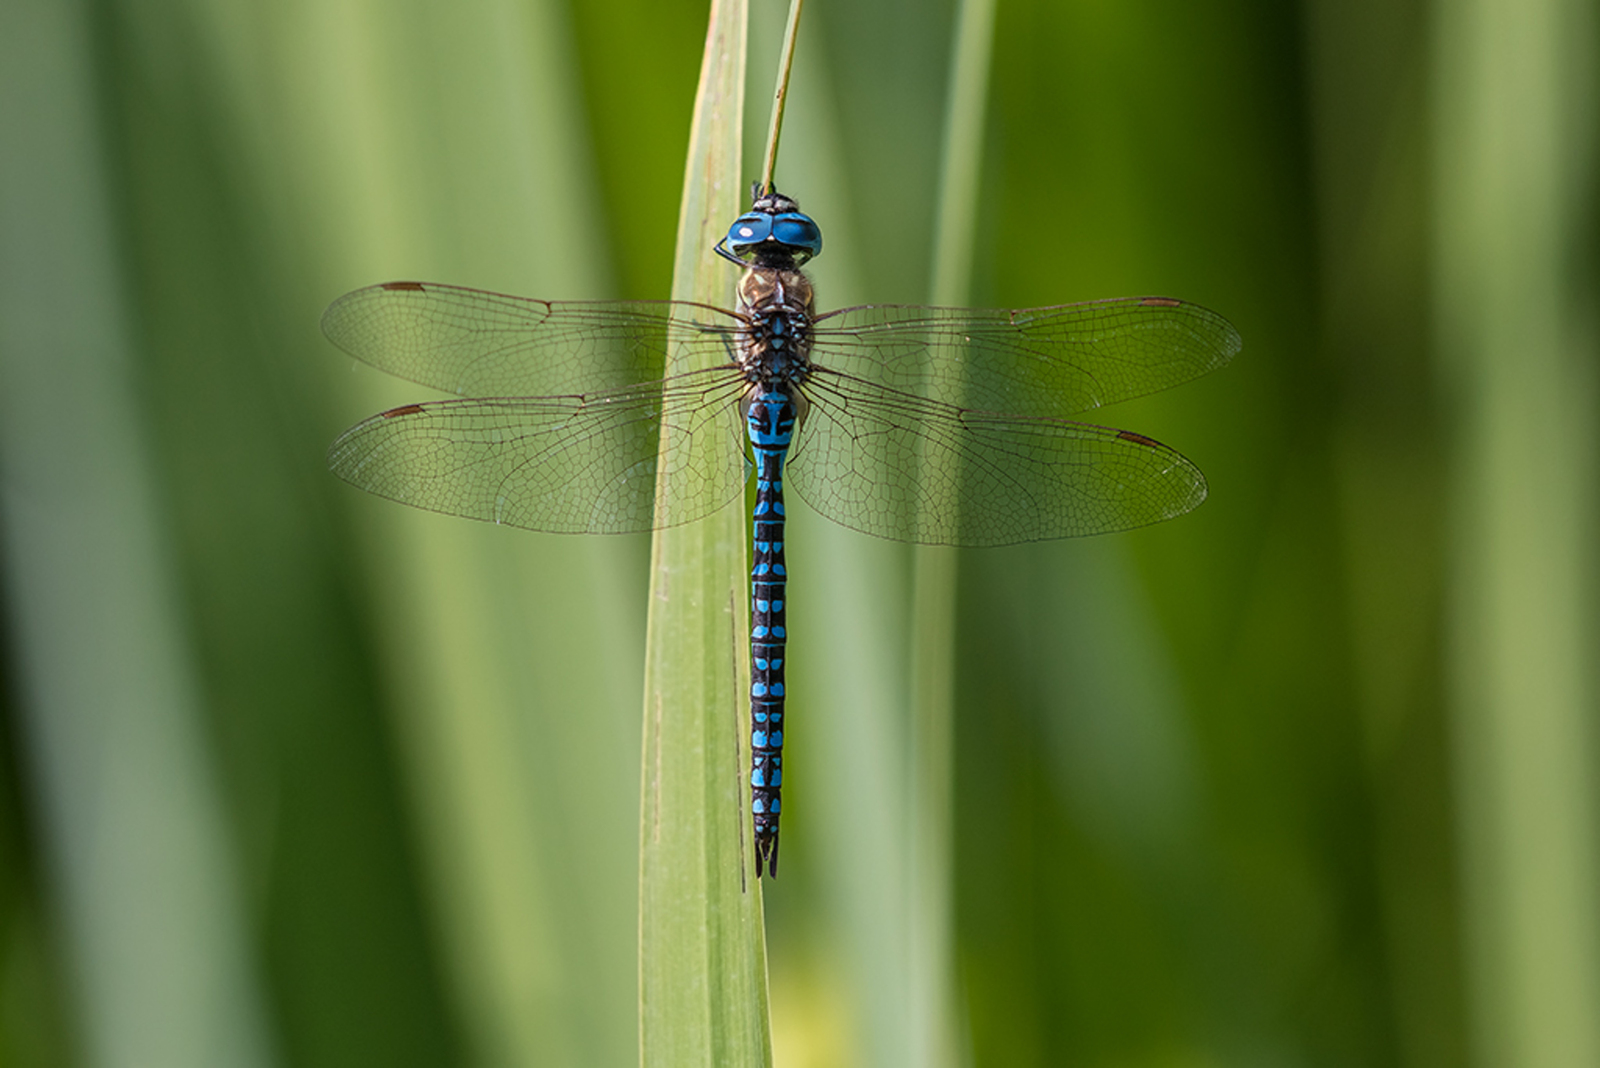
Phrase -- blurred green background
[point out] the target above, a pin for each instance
(293, 776)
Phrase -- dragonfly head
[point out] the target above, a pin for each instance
(773, 233)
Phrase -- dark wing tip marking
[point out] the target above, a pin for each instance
(404, 287)
(404, 409)
(1230, 340)
(1136, 438)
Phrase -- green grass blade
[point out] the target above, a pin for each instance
(450, 151)
(131, 810)
(702, 954)
(934, 1027)
(957, 225)
(1515, 176)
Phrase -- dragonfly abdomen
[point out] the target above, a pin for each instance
(769, 423)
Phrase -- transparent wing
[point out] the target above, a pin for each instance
(1037, 362)
(913, 469)
(566, 465)
(474, 343)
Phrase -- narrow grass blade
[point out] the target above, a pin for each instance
(702, 955)
(130, 808)
(935, 1029)
(1514, 169)
(780, 94)
(443, 147)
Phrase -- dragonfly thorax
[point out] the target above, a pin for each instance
(775, 346)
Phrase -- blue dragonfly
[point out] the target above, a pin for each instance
(940, 426)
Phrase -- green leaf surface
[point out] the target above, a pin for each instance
(702, 953)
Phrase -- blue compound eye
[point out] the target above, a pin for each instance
(748, 230)
(798, 232)
(783, 239)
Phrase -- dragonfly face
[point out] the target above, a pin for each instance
(773, 233)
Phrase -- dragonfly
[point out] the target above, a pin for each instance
(938, 426)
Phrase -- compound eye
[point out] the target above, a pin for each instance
(798, 232)
(748, 230)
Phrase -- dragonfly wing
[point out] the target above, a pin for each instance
(474, 343)
(1038, 362)
(912, 469)
(567, 465)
